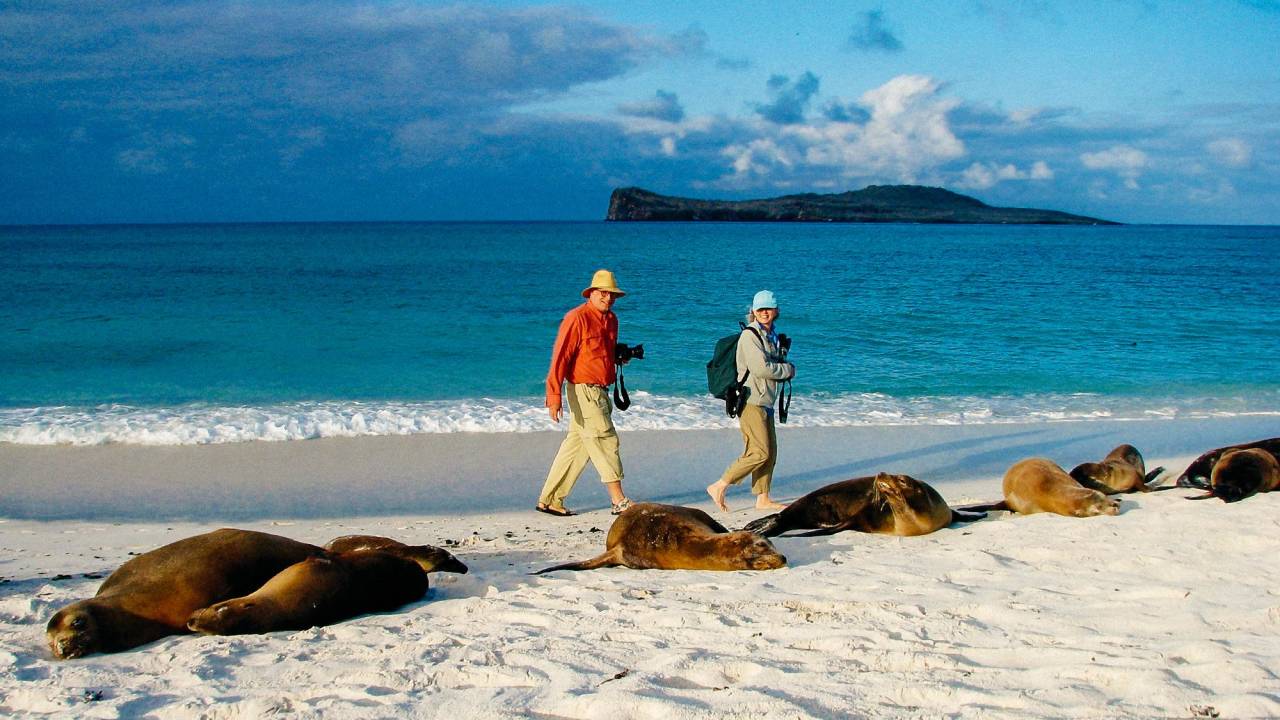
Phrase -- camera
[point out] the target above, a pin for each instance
(784, 343)
(625, 353)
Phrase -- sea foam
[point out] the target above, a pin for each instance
(200, 424)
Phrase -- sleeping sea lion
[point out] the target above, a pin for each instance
(887, 504)
(358, 574)
(153, 594)
(318, 591)
(1038, 485)
(1121, 471)
(670, 537)
(1241, 473)
(431, 558)
(1199, 472)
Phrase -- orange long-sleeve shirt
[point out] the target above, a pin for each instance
(583, 352)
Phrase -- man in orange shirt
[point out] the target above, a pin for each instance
(583, 361)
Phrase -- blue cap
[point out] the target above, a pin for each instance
(764, 299)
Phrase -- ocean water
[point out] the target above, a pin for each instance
(219, 333)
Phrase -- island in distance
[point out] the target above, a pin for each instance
(875, 203)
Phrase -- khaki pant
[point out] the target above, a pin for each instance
(591, 436)
(760, 453)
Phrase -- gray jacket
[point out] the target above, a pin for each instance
(766, 364)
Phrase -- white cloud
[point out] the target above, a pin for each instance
(906, 134)
(1128, 162)
(980, 176)
(1231, 152)
(757, 158)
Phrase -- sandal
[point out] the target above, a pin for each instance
(553, 510)
(621, 507)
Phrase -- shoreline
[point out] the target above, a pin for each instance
(468, 473)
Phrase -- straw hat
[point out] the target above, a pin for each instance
(603, 280)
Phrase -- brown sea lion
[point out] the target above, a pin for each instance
(1038, 485)
(1199, 472)
(1121, 471)
(1241, 473)
(153, 594)
(318, 591)
(670, 537)
(431, 558)
(887, 504)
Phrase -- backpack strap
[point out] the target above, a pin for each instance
(755, 332)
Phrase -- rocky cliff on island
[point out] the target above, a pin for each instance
(875, 203)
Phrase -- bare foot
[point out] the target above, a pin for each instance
(717, 490)
(764, 503)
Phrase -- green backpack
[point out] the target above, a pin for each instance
(722, 372)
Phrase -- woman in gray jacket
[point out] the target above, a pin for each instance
(764, 363)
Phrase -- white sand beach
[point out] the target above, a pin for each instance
(1170, 609)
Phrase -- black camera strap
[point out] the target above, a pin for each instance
(621, 399)
(784, 401)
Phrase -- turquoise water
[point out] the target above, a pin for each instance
(207, 333)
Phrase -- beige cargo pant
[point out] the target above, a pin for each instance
(760, 453)
(591, 436)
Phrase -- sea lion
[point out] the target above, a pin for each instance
(318, 591)
(358, 574)
(1241, 473)
(1199, 472)
(430, 558)
(886, 504)
(670, 537)
(1038, 485)
(152, 595)
(1121, 471)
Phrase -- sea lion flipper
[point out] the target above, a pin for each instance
(831, 530)
(766, 526)
(1152, 476)
(1003, 505)
(966, 515)
(608, 558)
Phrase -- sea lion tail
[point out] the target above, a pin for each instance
(605, 559)
(766, 526)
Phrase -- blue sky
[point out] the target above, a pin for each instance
(142, 111)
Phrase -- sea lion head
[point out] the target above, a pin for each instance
(899, 487)
(1090, 471)
(434, 559)
(755, 552)
(1130, 455)
(238, 616)
(1098, 504)
(73, 632)
(1239, 474)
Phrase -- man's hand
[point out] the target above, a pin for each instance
(555, 414)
